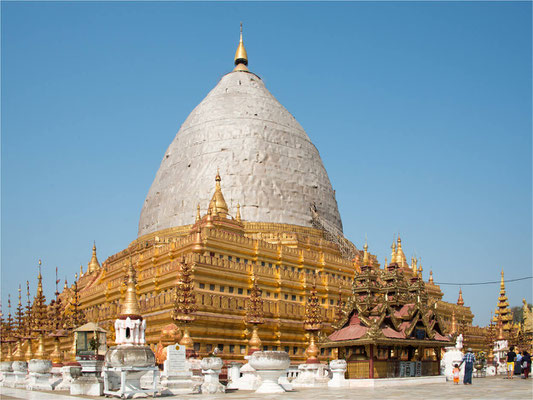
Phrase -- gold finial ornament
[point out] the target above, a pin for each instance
(430, 277)
(400, 256)
(393, 253)
(454, 323)
(238, 215)
(460, 301)
(218, 205)
(365, 255)
(130, 307)
(241, 58)
(198, 217)
(93, 265)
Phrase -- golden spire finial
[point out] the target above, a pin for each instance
(393, 253)
(502, 283)
(241, 58)
(65, 287)
(81, 270)
(430, 276)
(93, 265)
(238, 215)
(198, 212)
(460, 301)
(414, 266)
(39, 280)
(365, 254)
(454, 323)
(218, 204)
(130, 307)
(400, 256)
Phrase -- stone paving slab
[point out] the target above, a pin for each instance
(482, 388)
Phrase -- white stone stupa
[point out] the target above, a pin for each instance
(130, 359)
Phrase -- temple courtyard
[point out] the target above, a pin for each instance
(483, 388)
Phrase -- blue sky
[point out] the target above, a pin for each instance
(421, 113)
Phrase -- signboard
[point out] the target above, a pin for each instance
(175, 363)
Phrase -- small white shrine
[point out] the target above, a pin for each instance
(127, 362)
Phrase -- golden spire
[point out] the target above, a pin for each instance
(217, 204)
(93, 265)
(430, 277)
(454, 323)
(81, 270)
(65, 287)
(503, 313)
(414, 266)
(400, 256)
(238, 215)
(460, 301)
(420, 266)
(241, 58)
(130, 307)
(198, 212)
(365, 255)
(39, 280)
(393, 254)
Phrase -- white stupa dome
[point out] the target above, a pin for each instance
(266, 161)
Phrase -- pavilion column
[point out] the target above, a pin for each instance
(438, 354)
(371, 362)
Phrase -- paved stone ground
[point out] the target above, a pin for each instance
(483, 388)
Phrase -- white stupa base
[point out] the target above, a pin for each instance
(8, 379)
(38, 381)
(234, 374)
(249, 379)
(87, 385)
(126, 381)
(338, 369)
(269, 381)
(68, 374)
(311, 375)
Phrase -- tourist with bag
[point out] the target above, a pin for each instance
(526, 364)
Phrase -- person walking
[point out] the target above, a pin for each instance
(511, 355)
(518, 364)
(456, 374)
(469, 359)
(526, 364)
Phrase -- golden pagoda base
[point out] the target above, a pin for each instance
(28, 355)
(312, 350)
(18, 355)
(254, 344)
(40, 354)
(56, 356)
